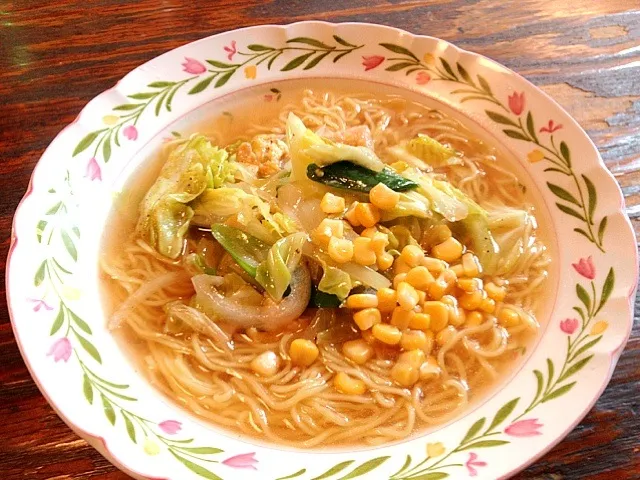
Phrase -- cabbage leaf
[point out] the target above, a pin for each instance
(410, 204)
(432, 151)
(307, 147)
(165, 213)
(252, 213)
(248, 251)
(274, 273)
(335, 281)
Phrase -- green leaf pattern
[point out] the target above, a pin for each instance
(112, 399)
(583, 196)
(160, 94)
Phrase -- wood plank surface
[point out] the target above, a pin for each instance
(56, 56)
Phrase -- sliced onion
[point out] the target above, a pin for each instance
(366, 275)
(144, 292)
(265, 317)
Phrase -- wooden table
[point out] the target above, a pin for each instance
(56, 56)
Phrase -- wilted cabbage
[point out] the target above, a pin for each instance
(165, 213)
(274, 273)
(306, 147)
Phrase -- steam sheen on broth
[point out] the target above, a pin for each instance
(354, 273)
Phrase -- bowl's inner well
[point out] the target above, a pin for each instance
(228, 118)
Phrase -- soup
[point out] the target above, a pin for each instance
(343, 269)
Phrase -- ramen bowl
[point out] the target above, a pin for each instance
(53, 275)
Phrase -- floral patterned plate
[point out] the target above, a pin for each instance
(52, 269)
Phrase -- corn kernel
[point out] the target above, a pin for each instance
(405, 374)
(449, 300)
(449, 250)
(388, 334)
(398, 279)
(340, 250)
(449, 276)
(400, 266)
(469, 284)
(495, 292)
(488, 305)
(422, 297)
(471, 265)
(419, 277)
(303, 352)
(412, 339)
(458, 270)
(369, 232)
(437, 289)
(415, 357)
(362, 300)
(446, 335)
(443, 284)
(434, 265)
(363, 254)
(420, 321)
(331, 203)
(383, 197)
(457, 316)
(367, 318)
(387, 299)
(348, 385)
(351, 216)
(266, 363)
(439, 314)
(407, 296)
(326, 229)
(399, 166)
(368, 215)
(430, 369)
(508, 317)
(402, 318)
(385, 261)
(412, 255)
(471, 301)
(368, 337)
(379, 242)
(439, 233)
(359, 351)
(473, 319)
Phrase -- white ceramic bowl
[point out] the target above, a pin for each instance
(52, 280)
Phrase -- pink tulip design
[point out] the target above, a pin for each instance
(245, 460)
(551, 127)
(93, 171)
(524, 428)
(472, 463)
(569, 325)
(371, 61)
(516, 102)
(193, 66)
(130, 132)
(231, 50)
(586, 268)
(422, 78)
(39, 303)
(60, 350)
(170, 427)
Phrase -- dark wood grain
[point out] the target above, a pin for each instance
(55, 56)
